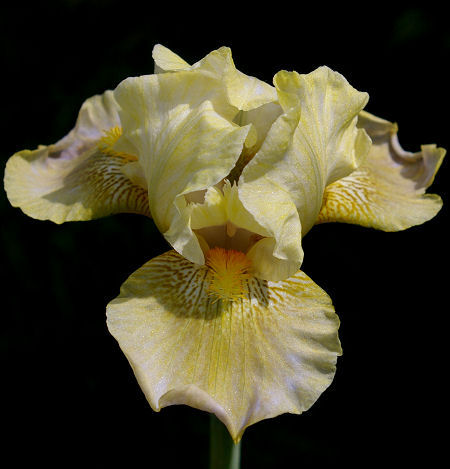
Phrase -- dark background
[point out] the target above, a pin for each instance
(68, 393)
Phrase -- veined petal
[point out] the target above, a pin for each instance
(387, 191)
(75, 179)
(271, 352)
(313, 143)
(176, 123)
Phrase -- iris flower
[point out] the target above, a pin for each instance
(234, 172)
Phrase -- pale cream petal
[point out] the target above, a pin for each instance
(221, 205)
(326, 144)
(166, 60)
(261, 119)
(222, 220)
(211, 212)
(270, 353)
(387, 192)
(313, 143)
(73, 179)
(244, 92)
(269, 200)
(266, 265)
(237, 214)
(185, 144)
(97, 114)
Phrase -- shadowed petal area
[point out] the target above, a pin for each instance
(271, 352)
(387, 191)
(79, 177)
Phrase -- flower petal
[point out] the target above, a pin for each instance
(388, 191)
(313, 143)
(180, 126)
(244, 92)
(273, 352)
(166, 60)
(73, 179)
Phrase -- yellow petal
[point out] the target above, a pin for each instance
(244, 92)
(270, 201)
(312, 144)
(166, 60)
(271, 352)
(74, 179)
(388, 191)
(211, 212)
(184, 142)
(222, 220)
(266, 265)
(222, 206)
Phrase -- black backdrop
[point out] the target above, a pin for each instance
(69, 395)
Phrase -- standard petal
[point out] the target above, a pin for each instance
(312, 144)
(268, 199)
(177, 123)
(166, 60)
(272, 352)
(244, 92)
(75, 179)
(387, 192)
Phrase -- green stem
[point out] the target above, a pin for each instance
(223, 452)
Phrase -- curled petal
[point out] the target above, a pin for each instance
(244, 92)
(387, 191)
(221, 219)
(271, 352)
(222, 206)
(312, 144)
(76, 178)
(175, 123)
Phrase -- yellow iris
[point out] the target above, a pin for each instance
(234, 172)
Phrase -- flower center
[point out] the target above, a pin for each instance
(229, 270)
(107, 142)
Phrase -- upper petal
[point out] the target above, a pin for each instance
(166, 60)
(313, 143)
(180, 126)
(271, 352)
(74, 179)
(268, 199)
(244, 92)
(387, 191)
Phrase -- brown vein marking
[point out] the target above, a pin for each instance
(110, 188)
(349, 200)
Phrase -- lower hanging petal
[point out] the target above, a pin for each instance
(387, 191)
(90, 186)
(81, 176)
(270, 352)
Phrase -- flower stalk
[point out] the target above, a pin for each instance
(223, 452)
